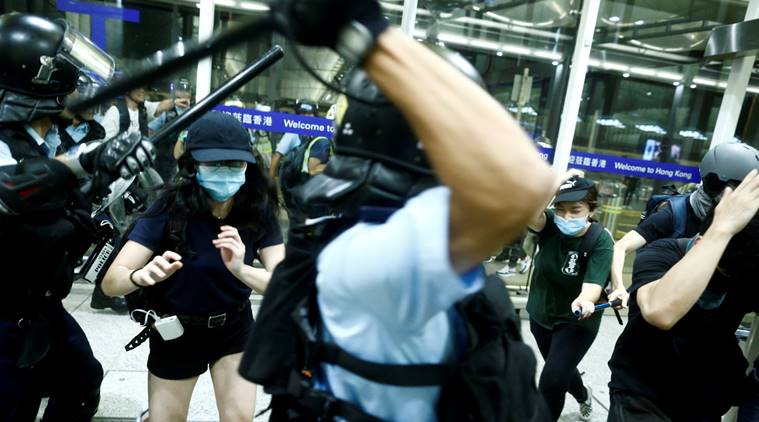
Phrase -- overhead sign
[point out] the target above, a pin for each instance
(628, 166)
(281, 122)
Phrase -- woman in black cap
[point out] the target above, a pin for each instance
(564, 283)
(192, 253)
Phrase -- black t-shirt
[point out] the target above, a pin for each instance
(695, 369)
(203, 286)
(661, 224)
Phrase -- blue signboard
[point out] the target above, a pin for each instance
(281, 122)
(99, 13)
(317, 126)
(628, 166)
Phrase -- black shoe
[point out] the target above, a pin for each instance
(101, 301)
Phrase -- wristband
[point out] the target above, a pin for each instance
(131, 275)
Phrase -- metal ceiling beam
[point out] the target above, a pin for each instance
(506, 5)
(641, 32)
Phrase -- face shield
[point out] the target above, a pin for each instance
(80, 52)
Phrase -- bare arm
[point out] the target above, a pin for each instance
(133, 256)
(258, 278)
(586, 301)
(178, 149)
(665, 301)
(315, 166)
(538, 221)
(276, 159)
(630, 242)
(484, 183)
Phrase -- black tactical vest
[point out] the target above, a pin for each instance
(39, 251)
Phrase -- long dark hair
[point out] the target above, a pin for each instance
(255, 204)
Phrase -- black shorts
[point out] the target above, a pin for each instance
(198, 348)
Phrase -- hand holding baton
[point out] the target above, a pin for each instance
(602, 306)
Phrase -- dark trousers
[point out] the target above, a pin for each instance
(562, 348)
(749, 410)
(627, 408)
(69, 375)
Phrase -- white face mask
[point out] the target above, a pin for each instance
(571, 226)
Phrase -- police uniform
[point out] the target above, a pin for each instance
(45, 224)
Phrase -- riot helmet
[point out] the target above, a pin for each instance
(726, 165)
(380, 132)
(41, 64)
(306, 108)
(379, 162)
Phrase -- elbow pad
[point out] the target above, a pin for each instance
(35, 185)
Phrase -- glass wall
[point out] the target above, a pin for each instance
(648, 95)
(128, 30)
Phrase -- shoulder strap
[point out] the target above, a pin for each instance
(589, 242)
(399, 375)
(142, 119)
(307, 154)
(123, 115)
(679, 207)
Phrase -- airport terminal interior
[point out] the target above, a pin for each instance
(632, 92)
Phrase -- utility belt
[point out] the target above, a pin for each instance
(172, 327)
(214, 321)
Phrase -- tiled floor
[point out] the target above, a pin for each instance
(124, 389)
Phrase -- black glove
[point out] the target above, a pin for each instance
(348, 26)
(123, 156)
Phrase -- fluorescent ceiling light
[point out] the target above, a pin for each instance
(753, 89)
(485, 44)
(614, 19)
(651, 129)
(225, 3)
(615, 66)
(640, 22)
(704, 81)
(611, 123)
(550, 55)
(642, 71)
(669, 75)
(694, 134)
(254, 5)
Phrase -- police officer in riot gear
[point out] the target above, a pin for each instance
(421, 214)
(44, 218)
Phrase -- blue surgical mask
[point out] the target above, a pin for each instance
(221, 182)
(571, 226)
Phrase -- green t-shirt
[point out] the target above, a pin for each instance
(557, 279)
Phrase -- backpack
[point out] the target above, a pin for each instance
(586, 250)
(493, 380)
(677, 203)
(294, 169)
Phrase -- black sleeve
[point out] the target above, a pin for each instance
(659, 225)
(653, 261)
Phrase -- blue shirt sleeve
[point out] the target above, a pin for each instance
(320, 150)
(399, 271)
(158, 122)
(149, 231)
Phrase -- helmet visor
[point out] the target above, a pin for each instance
(81, 52)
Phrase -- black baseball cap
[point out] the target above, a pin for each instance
(574, 189)
(218, 137)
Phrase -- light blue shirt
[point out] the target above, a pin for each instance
(385, 292)
(51, 140)
(159, 122)
(78, 132)
(289, 142)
